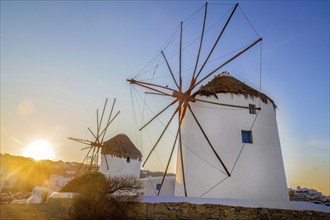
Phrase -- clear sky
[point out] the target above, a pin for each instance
(61, 59)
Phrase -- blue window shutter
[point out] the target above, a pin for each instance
(158, 186)
(246, 136)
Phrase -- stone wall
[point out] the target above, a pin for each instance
(144, 211)
(208, 211)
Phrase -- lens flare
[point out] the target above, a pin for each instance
(39, 150)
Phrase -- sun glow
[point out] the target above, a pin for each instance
(39, 149)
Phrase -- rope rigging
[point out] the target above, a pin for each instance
(150, 139)
(171, 40)
(190, 68)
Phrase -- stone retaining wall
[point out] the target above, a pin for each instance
(146, 211)
(209, 211)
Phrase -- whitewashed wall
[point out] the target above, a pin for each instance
(119, 166)
(56, 182)
(150, 183)
(259, 172)
(38, 193)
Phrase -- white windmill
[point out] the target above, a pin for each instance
(121, 157)
(247, 141)
(228, 142)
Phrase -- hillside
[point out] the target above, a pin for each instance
(22, 174)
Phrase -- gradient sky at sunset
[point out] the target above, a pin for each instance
(61, 59)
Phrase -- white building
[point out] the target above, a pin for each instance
(39, 195)
(57, 182)
(152, 186)
(123, 158)
(54, 184)
(246, 140)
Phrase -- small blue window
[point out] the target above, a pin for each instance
(247, 137)
(158, 186)
(128, 159)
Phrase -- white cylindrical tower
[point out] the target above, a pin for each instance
(123, 158)
(246, 140)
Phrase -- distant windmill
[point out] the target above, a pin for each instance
(95, 146)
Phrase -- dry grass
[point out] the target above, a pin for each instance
(23, 211)
(111, 201)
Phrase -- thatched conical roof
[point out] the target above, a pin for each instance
(121, 146)
(225, 83)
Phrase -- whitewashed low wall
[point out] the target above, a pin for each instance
(39, 195)
(150, 186)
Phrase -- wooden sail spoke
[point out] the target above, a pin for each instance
(109, 118)
(92, 159)
(180, 58)
(133, 81)
(183, 112)
(228, 105)
(97, 122)
(216, 42)
(84, 160)
(106, 161)
(172, 103)
(168, 162)
(97, 156)
(150, 88)
(160, 137)
(228, 61)
(106, 127)
(80, 140)
(83, 142)
(157, 93)
(100, 123)
(208, 141)
(169, 68)
(92, 133)
(199, 49)
(181, 157)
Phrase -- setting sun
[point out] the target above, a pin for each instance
(39, 149)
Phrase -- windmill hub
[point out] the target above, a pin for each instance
(183, 97)
(95, 144)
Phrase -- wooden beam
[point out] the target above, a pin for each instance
(168, 66)
(200, 47)
(228, 105)
(172, 103)
(228, 61)
(168, 123)
(216, 42)
(208, 141)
